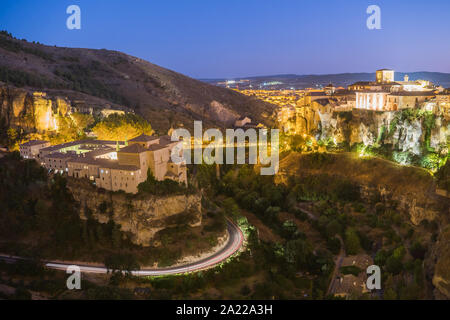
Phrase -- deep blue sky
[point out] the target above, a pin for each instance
(236, 38)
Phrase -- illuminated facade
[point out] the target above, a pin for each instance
(30, 149)
(388, 95)
(111, 165)
(371, 100)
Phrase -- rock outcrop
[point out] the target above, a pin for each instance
(411, 190)
(403, 132)
(36, 111)
(141, 217)
(31, 111)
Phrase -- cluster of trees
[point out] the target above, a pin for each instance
(165, 187)
(20, 78)
(342, 213)
(247, 189)
(393, 264)
(122, 126)
(8, 42)
(72, 127)
(83, 78)
(8, 136)
(324, 186)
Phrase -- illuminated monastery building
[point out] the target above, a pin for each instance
(111, 165)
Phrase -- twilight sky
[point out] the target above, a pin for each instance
(237, 38)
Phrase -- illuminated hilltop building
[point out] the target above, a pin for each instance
(111, 165)
(385, 94)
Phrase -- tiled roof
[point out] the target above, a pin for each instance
(34, 143)
(59, 155)
(133, 148)
(155, 147)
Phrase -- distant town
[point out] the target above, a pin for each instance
(382, 94)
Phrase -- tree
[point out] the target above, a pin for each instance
(299, 252)
(12, 135)
(289, 229)
(352, 243)
(82, 121)
(333, 228)
(417, 250)
(230, 207)
(116, 236)
(122, 126)
(399, 252)
(381, 257)
(394, 265)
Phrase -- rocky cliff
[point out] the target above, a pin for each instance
(140, 216)
(403, 131)
(31, 111)
(37, 111)
(411, 190)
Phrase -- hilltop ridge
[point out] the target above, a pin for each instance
(164, 97)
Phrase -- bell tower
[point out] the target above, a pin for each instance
(385, 75)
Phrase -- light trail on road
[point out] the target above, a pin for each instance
(234, 244)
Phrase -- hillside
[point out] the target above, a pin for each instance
(103, 77)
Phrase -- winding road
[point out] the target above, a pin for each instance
(235, 242)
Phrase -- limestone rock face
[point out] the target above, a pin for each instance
(408, 136)
(439, 134)
(307, 120)
(18, 103)
(141, 218)
(371, 127)
(31, 111)
(43, 115)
